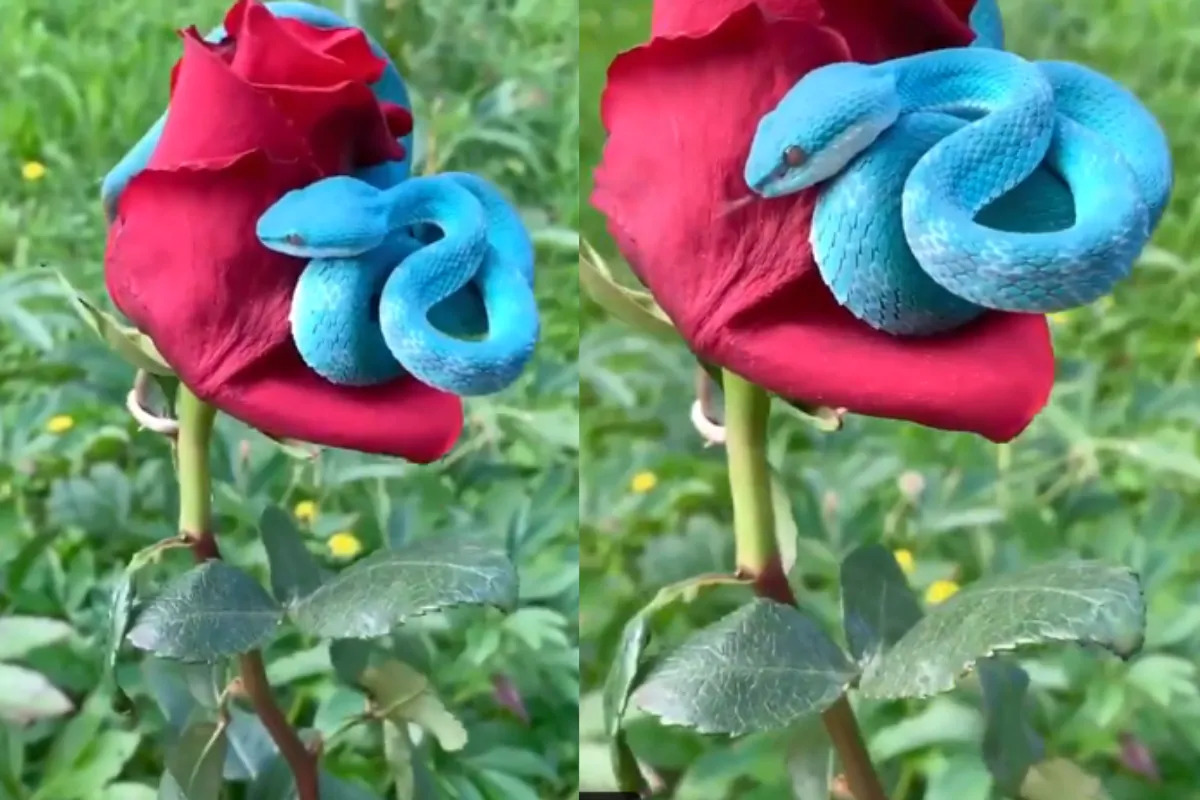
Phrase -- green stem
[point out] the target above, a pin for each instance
(747, 408)
(195, 478)
(195, 524)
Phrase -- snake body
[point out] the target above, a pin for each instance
(430, 276)
(356, 234)
(962, 180)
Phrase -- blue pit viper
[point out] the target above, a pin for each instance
(963, 180)
(430, 276)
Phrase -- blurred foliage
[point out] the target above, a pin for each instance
(1110, 470)
(82, 489)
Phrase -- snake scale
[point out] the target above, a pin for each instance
(963, 180)
(430, 276)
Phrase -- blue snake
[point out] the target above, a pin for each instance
(430, 276)
(963, 180)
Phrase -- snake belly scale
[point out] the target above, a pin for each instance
(963, 180)
(429, 276)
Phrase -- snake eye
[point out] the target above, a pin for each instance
(294, 239)
(793, 157)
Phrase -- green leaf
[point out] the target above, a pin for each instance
(26, 696)
(383, 590)
(405, 695)
(809, 759)
(121, 601)
(1060, 779)
(624, 764)
(178, 687)
(623, 672)
(339, 709)
(1010, 745)
(128, 791)
(1081, 601)
(878, 607)
(631, 306)
(120, 610)
(250, 747)
(134, 346)
(77, 735)
(101, 761)
(943, 723)
(276, 783)
(959, 776)
(195, 764)
(349, 658)
(208, 613)
(397, 750)
(294, 571)
(299, 665)
(627, 663)
(334, 788)
(508, 787)
(19, 635)
(762, 667)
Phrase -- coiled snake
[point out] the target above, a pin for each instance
(961, 180)
(431, 276)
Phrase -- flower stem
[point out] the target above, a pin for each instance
(746, 410)
(195, 523)
(195, 479)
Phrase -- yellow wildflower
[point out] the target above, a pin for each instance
(1060, 317)
(940, 591)
(344, 544)
(60, 423)
(305, 510)
(33, 171)
(643, 482)
(905, 559)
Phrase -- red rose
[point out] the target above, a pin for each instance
(741, 285)
(279, 105)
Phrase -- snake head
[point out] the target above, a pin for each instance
(338, 217)
(830, 116)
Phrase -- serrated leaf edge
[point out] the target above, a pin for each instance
(826, 701)
(419, 611)
(1016, 644)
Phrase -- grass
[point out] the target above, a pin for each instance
(1109, 470)
(495, 90)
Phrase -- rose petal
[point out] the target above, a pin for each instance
(219, 314)
(991, 377)
(398, 118)
(204, 83)
(680, 114)
(278, 51)
(876, 31)
(740, 284)
(676, 17)
(318, 79)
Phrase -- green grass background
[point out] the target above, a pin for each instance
(1109, 470)
(496, 92)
